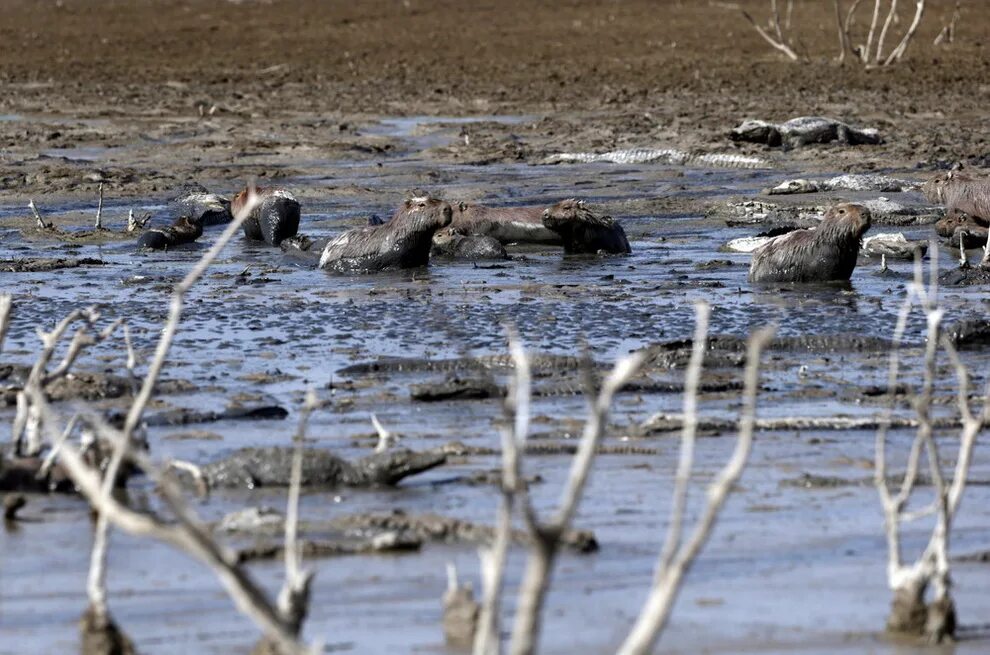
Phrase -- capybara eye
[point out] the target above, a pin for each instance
(842, 211)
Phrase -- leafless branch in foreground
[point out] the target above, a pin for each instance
(187, 534)
(673, 565)
(843, 43)
(6, 302)
(546, 536)
(133, 223)
(910, 614)
(513, 434)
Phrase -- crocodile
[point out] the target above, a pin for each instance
(851, 182)
(537, 362)
(271, 466)
(660, 156)
(803, 131)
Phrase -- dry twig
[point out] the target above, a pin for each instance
(676, 558)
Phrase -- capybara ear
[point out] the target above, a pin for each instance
(546, 213)
(958, 166)
(462, 206)
(580, 204)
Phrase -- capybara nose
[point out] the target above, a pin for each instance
(448, 215)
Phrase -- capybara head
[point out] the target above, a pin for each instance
(570, 211)
(934, 189)
(241, 198)
(845, 221)
(425, 213)
(952, 221)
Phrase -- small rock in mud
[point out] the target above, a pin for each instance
(892, 246)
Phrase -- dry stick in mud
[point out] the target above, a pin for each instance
(678, 556)
(910, 614)
(188, 534)
(6, 302)
(97, 614)
(293, 600)
(546, 537)
(948, 33)
(42, 225)
(99, 210)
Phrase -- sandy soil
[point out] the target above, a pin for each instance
(118, 88)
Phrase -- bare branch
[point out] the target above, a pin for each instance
(175, 312)
(38, 220)
(886, 26)
(686, 461)
(6, 303)
(99, 211)
(778, 44)
(667, 582)
(898, 52)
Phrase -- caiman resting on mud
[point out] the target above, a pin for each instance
(271, 467)
(250, 468)
(803, 131)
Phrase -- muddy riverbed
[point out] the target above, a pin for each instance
(801, 541)
(353, 123)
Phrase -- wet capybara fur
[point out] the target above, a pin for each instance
(955, 219)
(507, 224)
(183, 230)
(583, 231)
(274, 218)
(403, 242)
(823, 254)
(448, 242)
(966, 192)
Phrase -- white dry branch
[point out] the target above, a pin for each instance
(293, 600)
(99, 210)
(948, 33)
(39, 221)
(934, 621)
(6, 303)
(777, 39)
(186, 533)
(677, 555)
(545, 537)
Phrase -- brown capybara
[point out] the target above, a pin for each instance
(183, 230)
(507, 224)
(966, 192)
(448, 242)
(583, 231)
(274, 218)
(955, 219)
(403, 242)
(826, 253)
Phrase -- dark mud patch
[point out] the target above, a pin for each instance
(42, 265)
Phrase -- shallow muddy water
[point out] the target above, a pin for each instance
(788, 570)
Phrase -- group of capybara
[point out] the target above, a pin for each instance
(425, 227)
